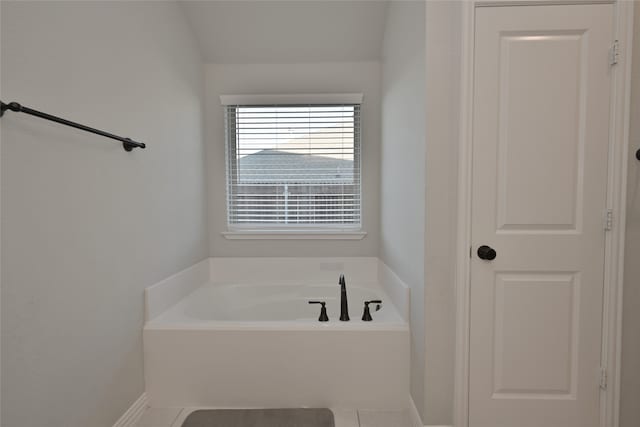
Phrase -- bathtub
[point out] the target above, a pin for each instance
(275, 305)
(245, 345)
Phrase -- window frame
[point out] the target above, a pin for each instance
(292, 230)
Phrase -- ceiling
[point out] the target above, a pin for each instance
(267, 31)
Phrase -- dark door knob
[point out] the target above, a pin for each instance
(487, 253)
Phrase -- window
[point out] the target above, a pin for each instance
(293, 166)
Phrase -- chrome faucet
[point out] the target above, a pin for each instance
(344, 307)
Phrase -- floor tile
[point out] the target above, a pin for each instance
(159, 417)
(183, 416)
(384, 418)
(345, 417)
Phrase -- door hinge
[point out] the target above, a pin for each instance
(603, 378)
(614, 53)
(608, 220)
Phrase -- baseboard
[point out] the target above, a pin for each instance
(131, 417)
(414, 415)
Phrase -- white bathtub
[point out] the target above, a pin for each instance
(261, 345)
(269, 305)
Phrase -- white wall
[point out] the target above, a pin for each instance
(443, 55)
(85, 225)
(630, 387)
(335, 77)
(402, 188)
(420, 104)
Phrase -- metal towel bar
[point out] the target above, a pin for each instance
(127, 143)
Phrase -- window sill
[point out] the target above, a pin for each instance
(294, 235)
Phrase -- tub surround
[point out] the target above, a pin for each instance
(395, 288)
(195, 357)
(266, 306)
(260, 270)
(164, 294)
(369, 271)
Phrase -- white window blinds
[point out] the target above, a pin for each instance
(293, 166)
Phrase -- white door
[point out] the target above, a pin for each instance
(540, 147)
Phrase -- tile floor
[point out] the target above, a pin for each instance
(174, 417)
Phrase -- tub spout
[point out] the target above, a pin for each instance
(344, 306)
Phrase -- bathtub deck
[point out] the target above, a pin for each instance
(174, 417)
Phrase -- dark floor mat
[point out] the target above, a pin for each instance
(306, 417)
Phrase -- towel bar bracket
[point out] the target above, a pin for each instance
(13, 106)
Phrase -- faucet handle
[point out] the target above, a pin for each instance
(323, 311)
(366, 315)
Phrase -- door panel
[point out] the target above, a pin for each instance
(540, 147)
(536, 138)
(534, 324)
